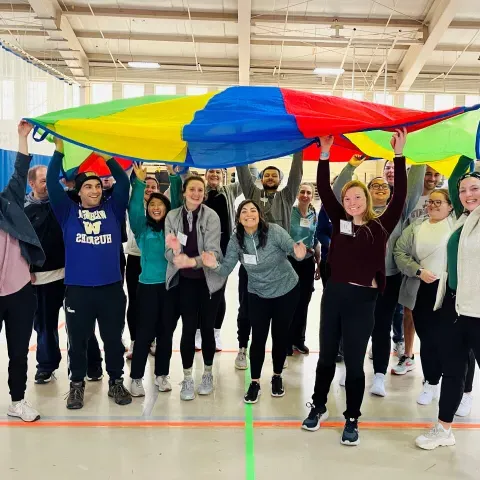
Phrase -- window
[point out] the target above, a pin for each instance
(165, 90)
(444, 102)
(132, 90)
(7, 100)
(471, 100)
(384, 98)
(194, 90)
(354, 96)
(101, 92)
(36, 98)
(414, 101)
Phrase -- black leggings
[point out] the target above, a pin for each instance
(305, 270)
(221, 310)
(346, 310)
(132, 274)
(280, 311)
(384, 311)
(243, 318)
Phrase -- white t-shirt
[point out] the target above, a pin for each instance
(431, 245)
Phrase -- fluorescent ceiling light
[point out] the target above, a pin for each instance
(329, 71)
(144, 64)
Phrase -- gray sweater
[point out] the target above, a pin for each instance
(208, 238)
(273, 275)
(276, 207)
(414, 192)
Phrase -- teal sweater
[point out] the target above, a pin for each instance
(150, 242)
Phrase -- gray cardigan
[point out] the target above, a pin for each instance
(273, 275)
(276, 207)
(414, 192)
(208, 237)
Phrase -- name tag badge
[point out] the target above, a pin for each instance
(305, 222)
(249, 259)
(182, 238)
(346, 227)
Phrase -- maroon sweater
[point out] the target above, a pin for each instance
(361, 258)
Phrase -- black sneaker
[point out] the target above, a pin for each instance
(277, 386)
(253, 393)
(289, 351)
(75, 396)
(315, 417)
(301, 348)
(119, 393)
(95, 375)
(43, 377)
(350, 432)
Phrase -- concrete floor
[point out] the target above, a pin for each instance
(218, 436)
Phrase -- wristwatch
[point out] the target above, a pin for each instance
(418, 272)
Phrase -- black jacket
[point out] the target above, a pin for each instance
(12, 216)
(49, 233)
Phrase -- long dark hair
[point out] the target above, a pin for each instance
(262, 226)
(157, 226)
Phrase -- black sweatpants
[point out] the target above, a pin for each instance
(84, 305)
(152, 303)
(280, 312)
(192, 300)
(460, 337)
(427, 325)
(49, 302)
(243, 319)
(348, 311)
(384, 311)
(132, 274)
(17, 311)
(305, 270)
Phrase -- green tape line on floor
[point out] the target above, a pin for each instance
(249, 439)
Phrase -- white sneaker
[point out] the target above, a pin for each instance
(218, 340)
(465, 405)
(436, 437)
(188, 389)
(378, 387)
(136, 388)
(130, 351)
(370, 353)
(198, 340)
(399, 349)
(206, 387)
(241, 360)
(162, 383)
(430, 393)
(23, 410)
(343, 377)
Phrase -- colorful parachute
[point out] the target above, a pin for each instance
(246, 124)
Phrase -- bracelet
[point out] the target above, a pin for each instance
(324, 155)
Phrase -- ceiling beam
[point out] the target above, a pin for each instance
(439, 17)
(58, 28)
(244, 43)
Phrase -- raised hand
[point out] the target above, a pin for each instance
(24, 128)
(399, 138)
(209, 259)
(300, 250)
(58, 144)
(183, 261)
(326, 143)
(356, 160)
(140, 171)
(427, 276)
(317, 273)
(173, 242)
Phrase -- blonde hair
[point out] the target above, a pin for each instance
(369, 213)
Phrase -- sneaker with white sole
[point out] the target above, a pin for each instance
(436, 437)
(316, 416)
(130, 351)
(241, 360)
(428, 395)
(188, 389)
(404, 365)
(399, 349)
(350, 435)
(218, 340)
(378, 386)
(161, 381)
(198, 340)
(23, 410)
(136, 388)
(342, 379)
(206, 386)
(465, 406)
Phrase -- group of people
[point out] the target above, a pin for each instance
(376, 247)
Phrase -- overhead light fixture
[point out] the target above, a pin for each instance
(143, 64)
(329, 71)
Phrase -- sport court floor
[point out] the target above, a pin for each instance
(219, 437)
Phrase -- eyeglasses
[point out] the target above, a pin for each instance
(437, 203)
(468, 175)
(380, 186)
